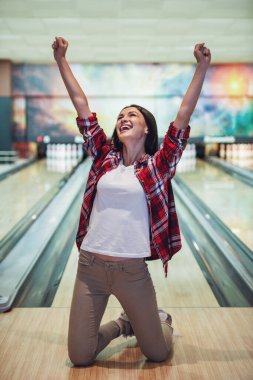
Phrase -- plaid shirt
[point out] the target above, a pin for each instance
(154, 173)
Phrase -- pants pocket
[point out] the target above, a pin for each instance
(85, 258)
(136, 272)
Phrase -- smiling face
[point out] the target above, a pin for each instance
(131, 125)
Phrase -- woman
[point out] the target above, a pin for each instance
(128, 216)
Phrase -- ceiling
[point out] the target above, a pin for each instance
(127, 30)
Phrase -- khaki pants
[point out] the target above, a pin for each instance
(130, 282)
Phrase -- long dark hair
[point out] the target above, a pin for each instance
(151, 143)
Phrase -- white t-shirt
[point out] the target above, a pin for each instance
(119, 223)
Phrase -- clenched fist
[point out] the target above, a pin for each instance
(202, 54)
(59, 46)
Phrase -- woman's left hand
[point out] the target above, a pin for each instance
(202, 54)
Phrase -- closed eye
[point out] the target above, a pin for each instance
(130, 114)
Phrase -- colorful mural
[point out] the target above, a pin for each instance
(225, 107)
(19, 119)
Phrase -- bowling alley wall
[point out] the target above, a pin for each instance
(41, 106)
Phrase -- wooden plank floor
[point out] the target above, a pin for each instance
(209, 342)
(213, 343)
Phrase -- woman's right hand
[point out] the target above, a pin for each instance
(59, 46)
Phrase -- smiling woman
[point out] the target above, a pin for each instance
(128, 216)
(144, 132)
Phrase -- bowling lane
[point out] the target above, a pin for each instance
(22, 190)
(228, 197)
(5, 167)
(238, 154)
(242, 163)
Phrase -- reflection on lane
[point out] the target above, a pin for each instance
(22, 190)
(228, 197)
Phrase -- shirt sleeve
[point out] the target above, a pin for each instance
(95, 140)
(173, 145)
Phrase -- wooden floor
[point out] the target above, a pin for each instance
(209, 342)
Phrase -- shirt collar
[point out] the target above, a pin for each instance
(143, 158)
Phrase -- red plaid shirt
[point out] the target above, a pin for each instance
(154, 173)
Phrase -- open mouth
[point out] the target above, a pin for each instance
(125, 128)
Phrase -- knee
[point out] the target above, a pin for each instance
(81, 359)
(159, 357)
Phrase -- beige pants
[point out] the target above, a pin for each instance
(130, 282)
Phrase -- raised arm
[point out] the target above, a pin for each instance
(203, 57)
(76, 94)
